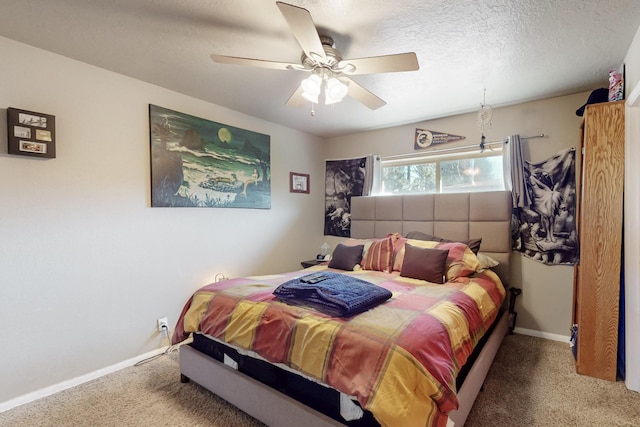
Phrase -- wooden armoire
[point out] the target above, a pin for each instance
(599, 217)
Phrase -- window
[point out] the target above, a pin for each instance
(411, 178)
(452, 173)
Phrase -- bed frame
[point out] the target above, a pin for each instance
(451, 216)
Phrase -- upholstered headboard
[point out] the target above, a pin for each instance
(460, 216)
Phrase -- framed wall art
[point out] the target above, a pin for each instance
(201, 163)
(298, 182)
(31, 134)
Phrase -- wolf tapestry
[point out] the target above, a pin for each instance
(546, 230)
(201, 163)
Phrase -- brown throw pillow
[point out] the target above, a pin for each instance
(474, 244)
(346, 257)
(424, 263)
(419, 235)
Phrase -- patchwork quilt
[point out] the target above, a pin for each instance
(399, 359)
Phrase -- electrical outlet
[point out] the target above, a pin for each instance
(163, 323)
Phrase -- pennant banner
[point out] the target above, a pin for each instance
(426, 138)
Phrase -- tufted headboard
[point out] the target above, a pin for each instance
(459, 216)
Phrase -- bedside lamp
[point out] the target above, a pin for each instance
(325, 250)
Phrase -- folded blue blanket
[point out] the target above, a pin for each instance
(335, 294)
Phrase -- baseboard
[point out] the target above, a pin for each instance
(540, 334)
(53, 389)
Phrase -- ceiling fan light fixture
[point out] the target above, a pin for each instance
(309, 97)
(321, 58)
(328, 100)
(311, 87)
(336, 88)
(335, 91)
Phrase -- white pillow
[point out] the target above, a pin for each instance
(486, 261)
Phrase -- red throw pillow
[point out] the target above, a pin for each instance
(379, 255)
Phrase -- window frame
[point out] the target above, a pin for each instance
(437, 159)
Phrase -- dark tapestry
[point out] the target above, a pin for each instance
(546, 231)
(343, 179)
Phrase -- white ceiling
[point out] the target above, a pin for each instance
(516, 50)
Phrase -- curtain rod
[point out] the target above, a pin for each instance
(441, 150)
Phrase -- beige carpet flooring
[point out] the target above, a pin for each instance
(532, 383)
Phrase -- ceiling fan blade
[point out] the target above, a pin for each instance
(359, 93)
(296, 99)
(380, 64)
(303, 28)
(256, 63)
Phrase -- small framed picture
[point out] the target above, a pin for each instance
(21, 132)
(298, 182)
(33, 147)
(31, 133)
(43, 135)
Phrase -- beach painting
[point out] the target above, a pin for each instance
(201, 163)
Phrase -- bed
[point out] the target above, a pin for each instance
(418, 357)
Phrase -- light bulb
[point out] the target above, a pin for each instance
(311, 88)
(311, 85)
(310, 97)
(335, 91)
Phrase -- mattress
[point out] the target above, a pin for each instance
(311, 393)
(383, 357)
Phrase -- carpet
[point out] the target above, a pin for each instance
(531, 383)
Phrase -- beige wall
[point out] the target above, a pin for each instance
(544, 308)
(86, 266)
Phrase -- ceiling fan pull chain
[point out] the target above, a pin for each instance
(313, 111)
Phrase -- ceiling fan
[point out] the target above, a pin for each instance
(329, 71)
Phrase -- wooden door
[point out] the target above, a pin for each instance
(598, 275)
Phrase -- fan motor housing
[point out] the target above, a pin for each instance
(333, 55)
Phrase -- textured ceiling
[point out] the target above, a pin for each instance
(516, 50)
